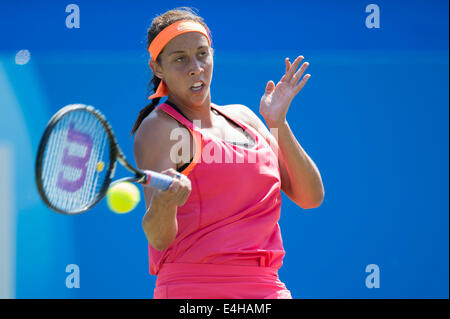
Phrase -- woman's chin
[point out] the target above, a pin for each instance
(199, 99)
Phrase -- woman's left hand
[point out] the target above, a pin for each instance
(276, 99)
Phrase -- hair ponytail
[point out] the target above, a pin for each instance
(150, 107)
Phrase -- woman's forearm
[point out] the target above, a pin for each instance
(160, 224)
(305, 186)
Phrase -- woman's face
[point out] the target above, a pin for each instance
(185, 60)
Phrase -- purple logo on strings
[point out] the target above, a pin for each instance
(75, 136)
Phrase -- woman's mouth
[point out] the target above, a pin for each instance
(198, 87)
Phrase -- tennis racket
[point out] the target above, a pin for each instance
(76, 161)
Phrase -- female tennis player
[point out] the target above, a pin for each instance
(214, 233)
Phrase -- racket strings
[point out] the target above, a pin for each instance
(95, 186)
(76, 159)
(94, 174)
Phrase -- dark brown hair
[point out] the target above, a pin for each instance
(158, 24)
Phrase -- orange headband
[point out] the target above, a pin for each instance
(164, 37)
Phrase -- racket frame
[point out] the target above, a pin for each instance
(115, 154)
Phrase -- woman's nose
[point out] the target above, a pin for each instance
(195, 68)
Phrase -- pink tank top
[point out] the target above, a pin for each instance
(231, 216)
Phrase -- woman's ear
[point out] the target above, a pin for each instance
(156, 69)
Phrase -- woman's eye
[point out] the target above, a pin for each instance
(181, 59)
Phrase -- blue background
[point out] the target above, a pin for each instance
(373, 117)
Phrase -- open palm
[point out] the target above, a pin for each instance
(276, 99)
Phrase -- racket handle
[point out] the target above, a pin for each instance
(158, 180)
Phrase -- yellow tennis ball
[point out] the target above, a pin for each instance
(123, 197)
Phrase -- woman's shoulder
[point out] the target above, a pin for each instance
(158, 119)
(156, 128)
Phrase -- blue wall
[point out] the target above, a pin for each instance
(373, 117)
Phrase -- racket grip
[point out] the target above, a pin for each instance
(158, 180)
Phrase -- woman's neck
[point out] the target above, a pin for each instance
(200, 113)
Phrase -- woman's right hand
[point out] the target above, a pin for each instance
(177, 193)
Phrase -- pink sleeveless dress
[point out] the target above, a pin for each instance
(228, 244)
